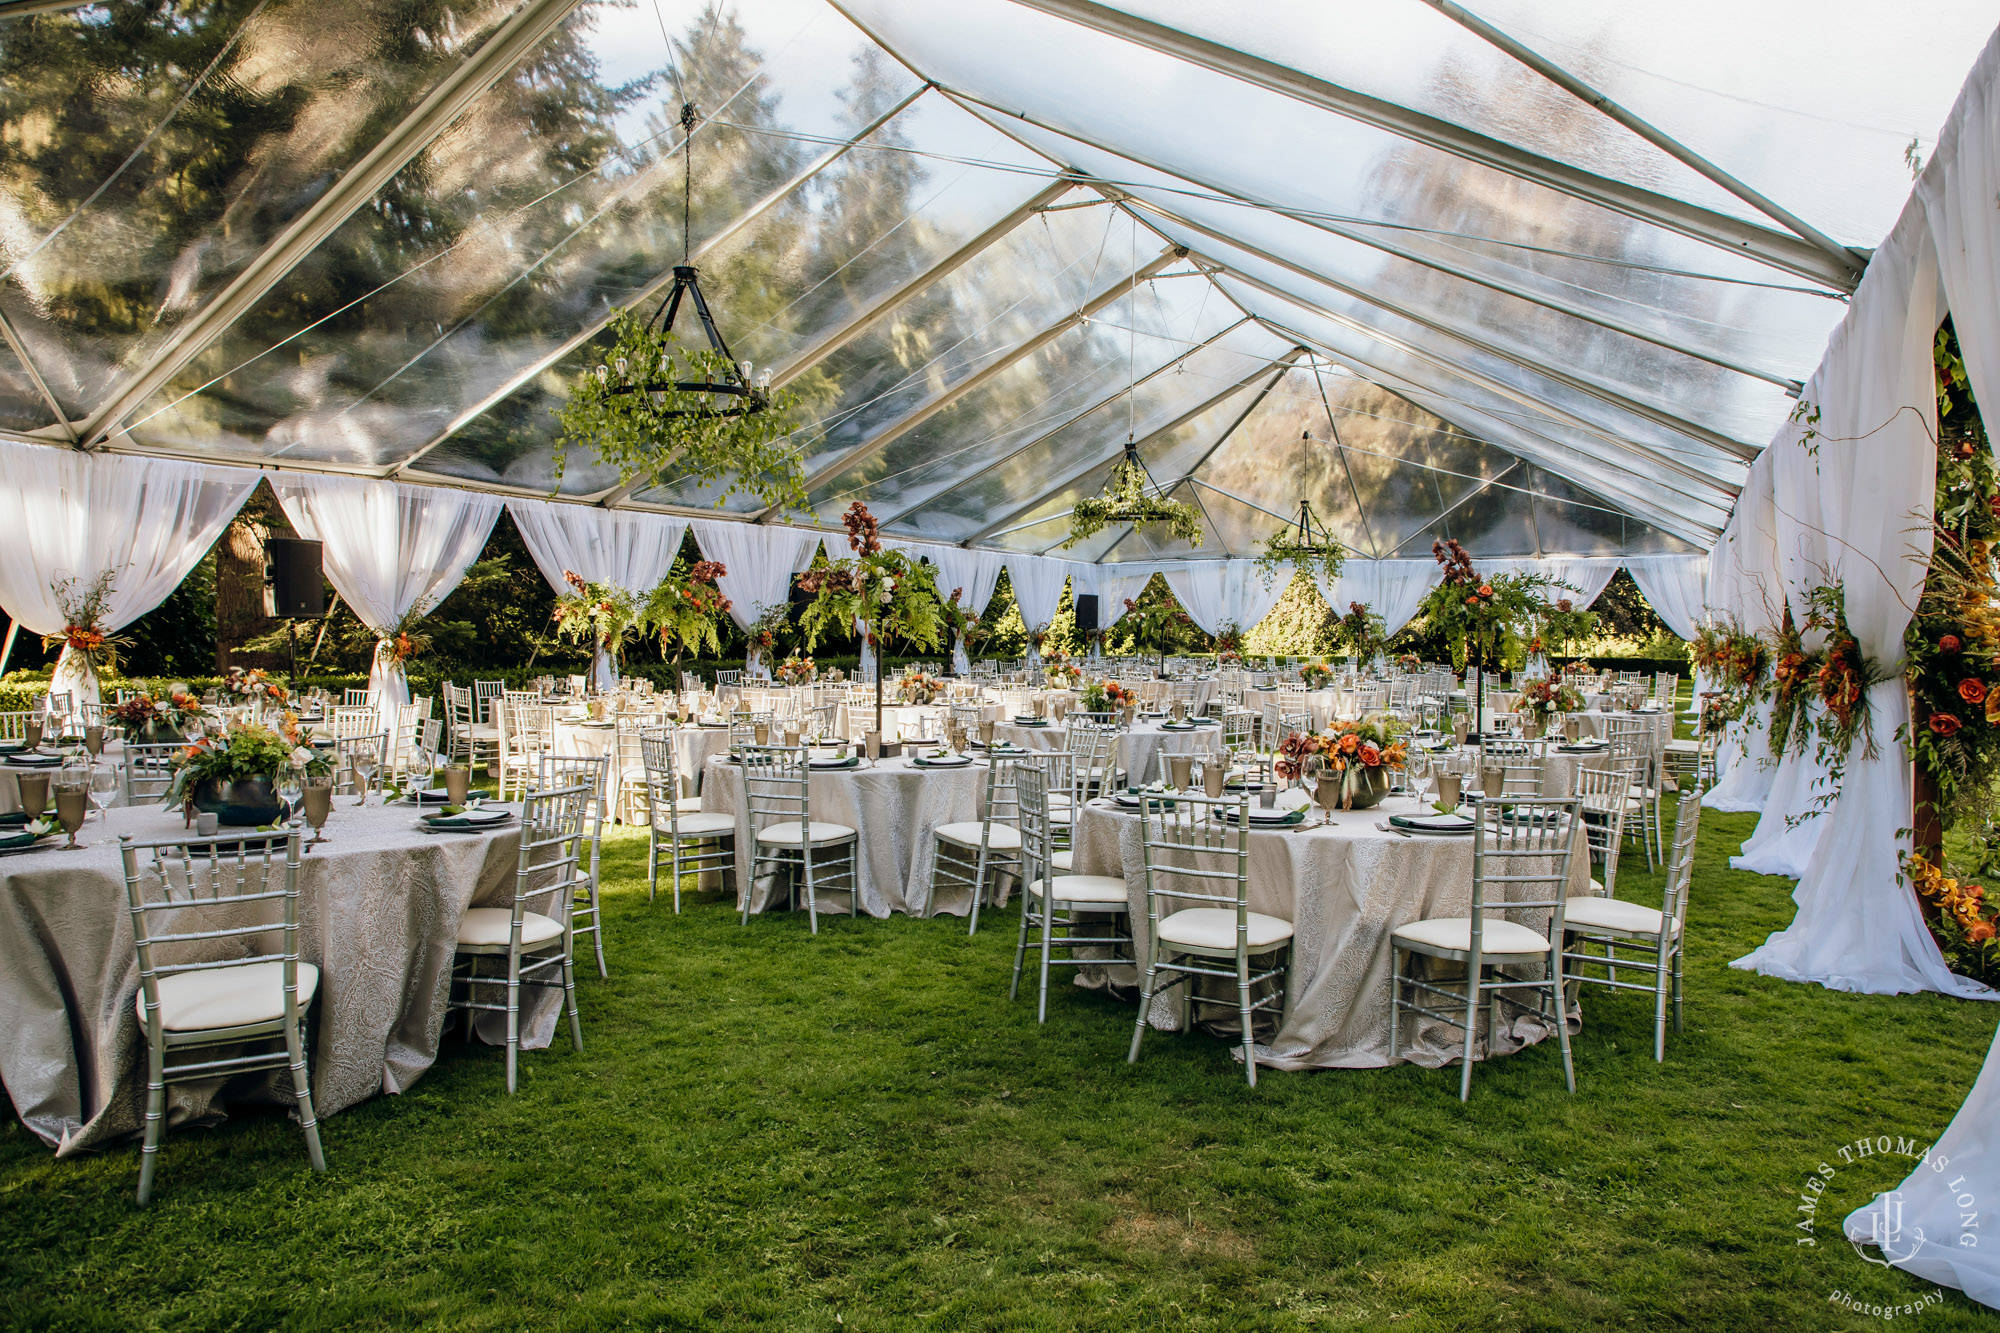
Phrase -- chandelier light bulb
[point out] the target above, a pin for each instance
(603, 373)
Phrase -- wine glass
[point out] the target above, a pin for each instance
(318, 804)
(72, 805)
(364, 771)
(103, 786)
(291, 786)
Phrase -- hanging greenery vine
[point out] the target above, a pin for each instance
(642, 413)
(1129, 496)
(1793, 671)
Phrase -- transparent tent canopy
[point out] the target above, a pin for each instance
(1542, 277)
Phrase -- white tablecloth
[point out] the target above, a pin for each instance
(1137, 748)
(379, 906)
(892, 806)
(1345, 888)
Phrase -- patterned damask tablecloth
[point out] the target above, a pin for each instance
(1345, 887)
(1138, 746)
(379, 907)
(893, 807)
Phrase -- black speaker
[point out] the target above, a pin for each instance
(293, 589)
(1086, 613)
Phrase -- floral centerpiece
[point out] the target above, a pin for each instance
(598, 614)
(796, 670)
(762, 636)
(687, 610)
(916, 687)
(1107, 696)
(1316, 675)
(1547, 698)
(1356, 756)
(1062, 675)
(1408, 663)
(1578, 668)
(254, 687)
(234, 776)
(887, 592)
(1229, 657)
(156, 721)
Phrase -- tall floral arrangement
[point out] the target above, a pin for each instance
(889, 594)
(1362, 632)
(761, 639)
(86, 610)
(601, 615)
(686, 610)
(1736, 662)
(1472, 610)
(1565, 623)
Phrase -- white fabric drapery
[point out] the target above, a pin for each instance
(1392, 589)
(626, 548)
(1038, 584)
(1844, 503)
(67, 514)
(760, 558)
(975, 571)
(1215, 592)
(1674, 586)
(387, 547)
(1588, 574)
(1118, 584)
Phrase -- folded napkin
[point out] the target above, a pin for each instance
(464, 819)
(23, 839)
(1289, 818)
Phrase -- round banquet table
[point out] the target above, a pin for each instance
(892, 805)
(379, 907)
(1137, 746)
(1345, 886)
(10, 772)
(1661, 721)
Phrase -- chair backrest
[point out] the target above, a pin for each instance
(354, 721)
(13, 726)
(1197, 850)
(1003, 791)
(425, 740)
(347, 749)
(777, 785)
(1604, 792)
(663, 779)
(729, 677)
(148, 770)
(1520, 858)
(1032, 785)
(550, 867)
(1680, 857)
(1237, 725)
(352, 697)
(559, 772)
(186, 894)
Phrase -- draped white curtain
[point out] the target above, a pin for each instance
(386, 547)
(1038, 585)
(627, 548)
(1674, 586)
(1118, 583)
(1844, 504)
(1586, 573)
(760, 558)
(1743, 583)
(1215, 592)
(67, 514)
(975, 571)
(1392, 589)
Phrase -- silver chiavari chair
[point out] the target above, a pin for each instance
(1520, 864)
(1057, 909)
(975, 854)
(189, 899)
(1631, 739)
(1605, 793)
(531, 942)
(686, 839)
(1652, 938)
(148, 770)
(351, 754)
(592, 773)
(1196, 852)
(789, 842)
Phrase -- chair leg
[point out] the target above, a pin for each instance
(1562, 1015)
(978, 887)
(1048, 947)
(597, 918)
(1677, 986)
(302, 1089)
(1146, 988)
(1471, 1026)
(812, 896)
(513, 1018)
(1395, 1003)
(653, 867)
(1660, 984)
(1020, 944)
(1243, 1014)
(569, 1003)
(156, 1119)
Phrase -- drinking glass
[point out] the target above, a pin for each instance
(103, 786)
(364, 771)
(318, 806)
(72, 807)
(291, 785)
(93, 740)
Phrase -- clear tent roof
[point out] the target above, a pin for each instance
(1539, 276)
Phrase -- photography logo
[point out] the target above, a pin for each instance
(1908, 1214)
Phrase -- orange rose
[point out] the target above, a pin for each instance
(1972, 691)
(1350, 743)
(1979, 932)
(1944, 724)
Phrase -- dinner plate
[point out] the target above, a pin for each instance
(31, 760)
(471, 820)
(1259, 815)
(8, 847)
(1445, 824)
(1031, 722)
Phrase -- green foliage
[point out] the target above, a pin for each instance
(687, 609)
(887, 590)
(1299, 625)
(634, 414)
(249, 750)
(1130, 497)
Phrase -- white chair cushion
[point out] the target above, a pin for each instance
(1215, 928)
(488, 926)
(1684, 747)
(1454, 933)
(1085, 889)
(788, 833)
(227, 997)
(704, 824)
(1064, 861)
(1004, 838)
(1613, 914)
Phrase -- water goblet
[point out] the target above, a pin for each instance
(103, 786)
(72, 807)
(318, 804)
(291, 785)
(364, 771)
(93, 740)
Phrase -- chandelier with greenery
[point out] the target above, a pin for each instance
(1303, 545)
(656, 402)
(1131, 495)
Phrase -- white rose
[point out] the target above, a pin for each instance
(303, 755)
(885, 596)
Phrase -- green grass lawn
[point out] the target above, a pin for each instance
(859, 1131)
